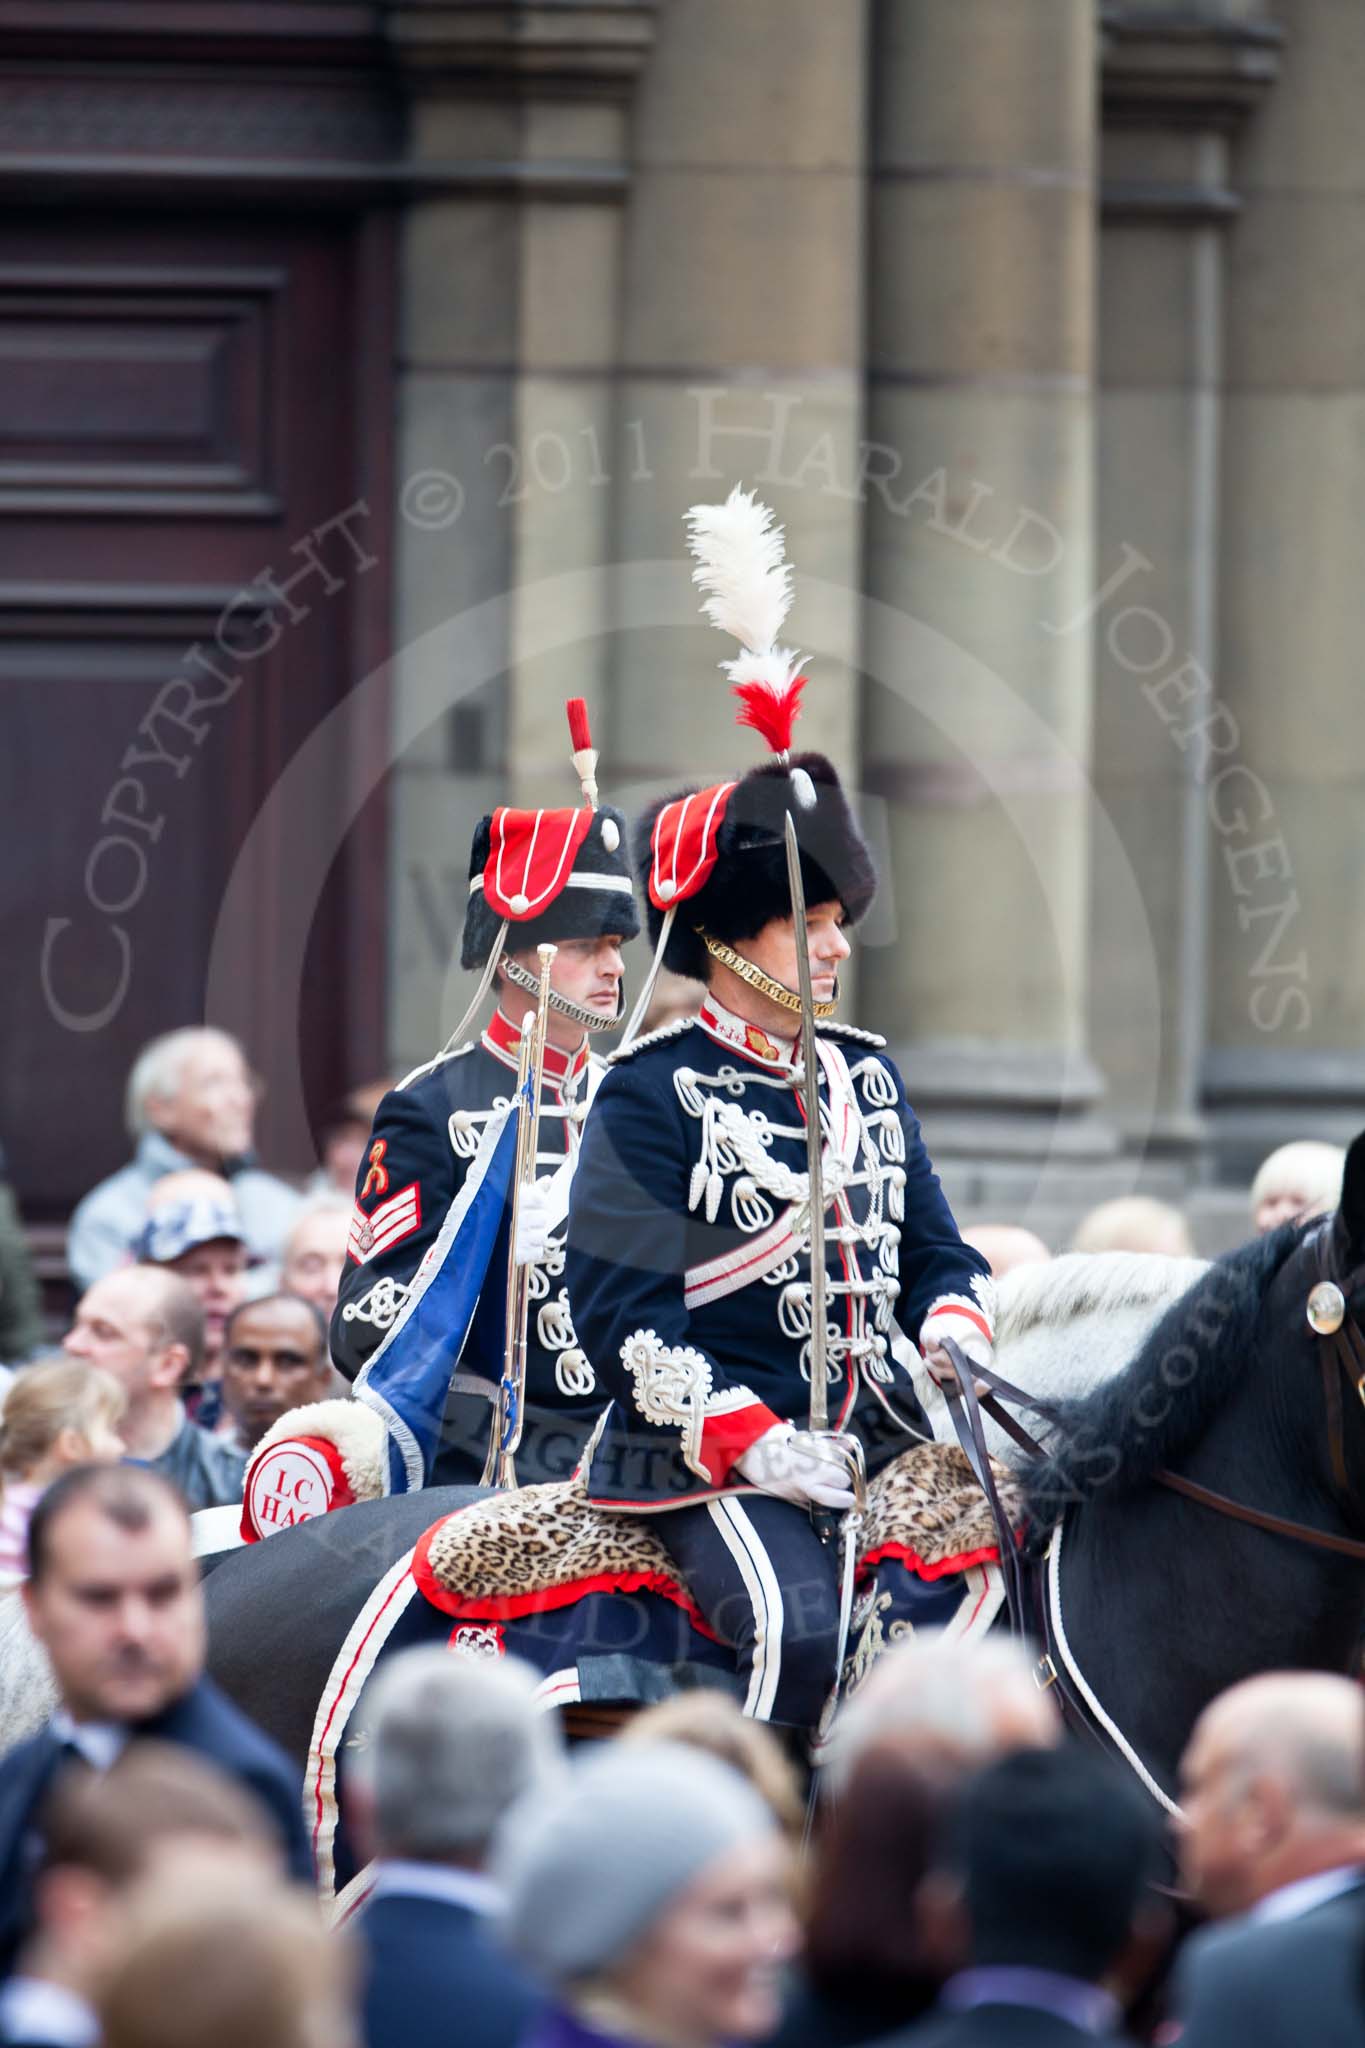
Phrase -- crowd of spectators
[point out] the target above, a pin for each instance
(961, 1875)
(205, 1284)
(204, 1289)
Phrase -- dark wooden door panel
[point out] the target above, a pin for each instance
(183, 598)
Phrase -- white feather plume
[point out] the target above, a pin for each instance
(747, 581)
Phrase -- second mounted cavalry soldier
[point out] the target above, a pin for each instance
(556, 876)
(689, 1267)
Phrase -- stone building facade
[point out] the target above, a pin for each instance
(1035, 320)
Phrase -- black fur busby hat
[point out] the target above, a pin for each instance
(553, 875)
(747, 886)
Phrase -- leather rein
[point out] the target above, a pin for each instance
(1342, 1356)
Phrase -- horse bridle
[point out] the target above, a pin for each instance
(1342, 1357)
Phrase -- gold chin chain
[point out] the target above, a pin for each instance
(785, 998)
(577, 1013)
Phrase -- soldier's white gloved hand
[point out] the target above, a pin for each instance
(942, 1371)
(792, 1464)
(533, 1223)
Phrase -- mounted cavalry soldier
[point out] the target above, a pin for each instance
(417, 1322)
(690, 1269)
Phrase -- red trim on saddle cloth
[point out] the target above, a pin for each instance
(913, 1562)
(513, 1605)
(911, 1559)
(725, 1438)
(280, 1481)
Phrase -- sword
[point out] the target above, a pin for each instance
(509, 1417)
(810, 1090)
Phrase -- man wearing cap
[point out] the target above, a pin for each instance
(689, 1263)
(536, 877)
(194, 1228)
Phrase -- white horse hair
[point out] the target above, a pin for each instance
(1064, 1328)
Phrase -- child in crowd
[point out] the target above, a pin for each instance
(58, 1413)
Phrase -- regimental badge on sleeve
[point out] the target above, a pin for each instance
(386, 1226)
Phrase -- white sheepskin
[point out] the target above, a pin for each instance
(1066, 1327)
(359, 1435)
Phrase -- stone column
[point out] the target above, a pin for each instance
(1174, 95)
(742, 340)
(979, 556)
(509, 311)
(1287, 986)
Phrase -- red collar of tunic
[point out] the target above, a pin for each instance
(502, 1038)
(747, 1040)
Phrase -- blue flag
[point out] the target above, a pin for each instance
(407, 1378)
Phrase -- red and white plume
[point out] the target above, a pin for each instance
(747, 582)
(584, 754)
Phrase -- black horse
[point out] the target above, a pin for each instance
(1163, 1602)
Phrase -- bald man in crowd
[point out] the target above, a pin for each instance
(1006, 1245)
(1273, 1847)
(144, 1325)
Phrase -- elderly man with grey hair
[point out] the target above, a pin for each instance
(964, 1703)
(454, 1742)
(1272, 1794)
(190, 1101)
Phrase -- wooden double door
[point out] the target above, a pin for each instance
(194, 590)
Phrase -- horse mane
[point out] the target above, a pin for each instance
(1088, 1283)
(1189, 1364)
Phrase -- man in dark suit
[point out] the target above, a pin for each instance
(1273, 1794)
(453, 1742)
(1054, 1851)
(146, 1819)
(113, 1596)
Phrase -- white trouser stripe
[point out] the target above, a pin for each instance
(741, 1539)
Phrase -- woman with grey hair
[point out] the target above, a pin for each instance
(649, 1895)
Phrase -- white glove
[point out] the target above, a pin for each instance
(792, 1464)
(533, 1223)
(974, 1348)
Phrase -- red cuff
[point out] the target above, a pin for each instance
(291, 1482)
(726, 1437)
(967, 1315)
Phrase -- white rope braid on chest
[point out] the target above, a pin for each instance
(864, 1148)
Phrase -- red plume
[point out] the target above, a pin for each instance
(580, 733)
(771, 712)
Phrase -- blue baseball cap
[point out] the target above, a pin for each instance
(182, 1226)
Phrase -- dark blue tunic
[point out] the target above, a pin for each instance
(429, 1129)
(689, 1262)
